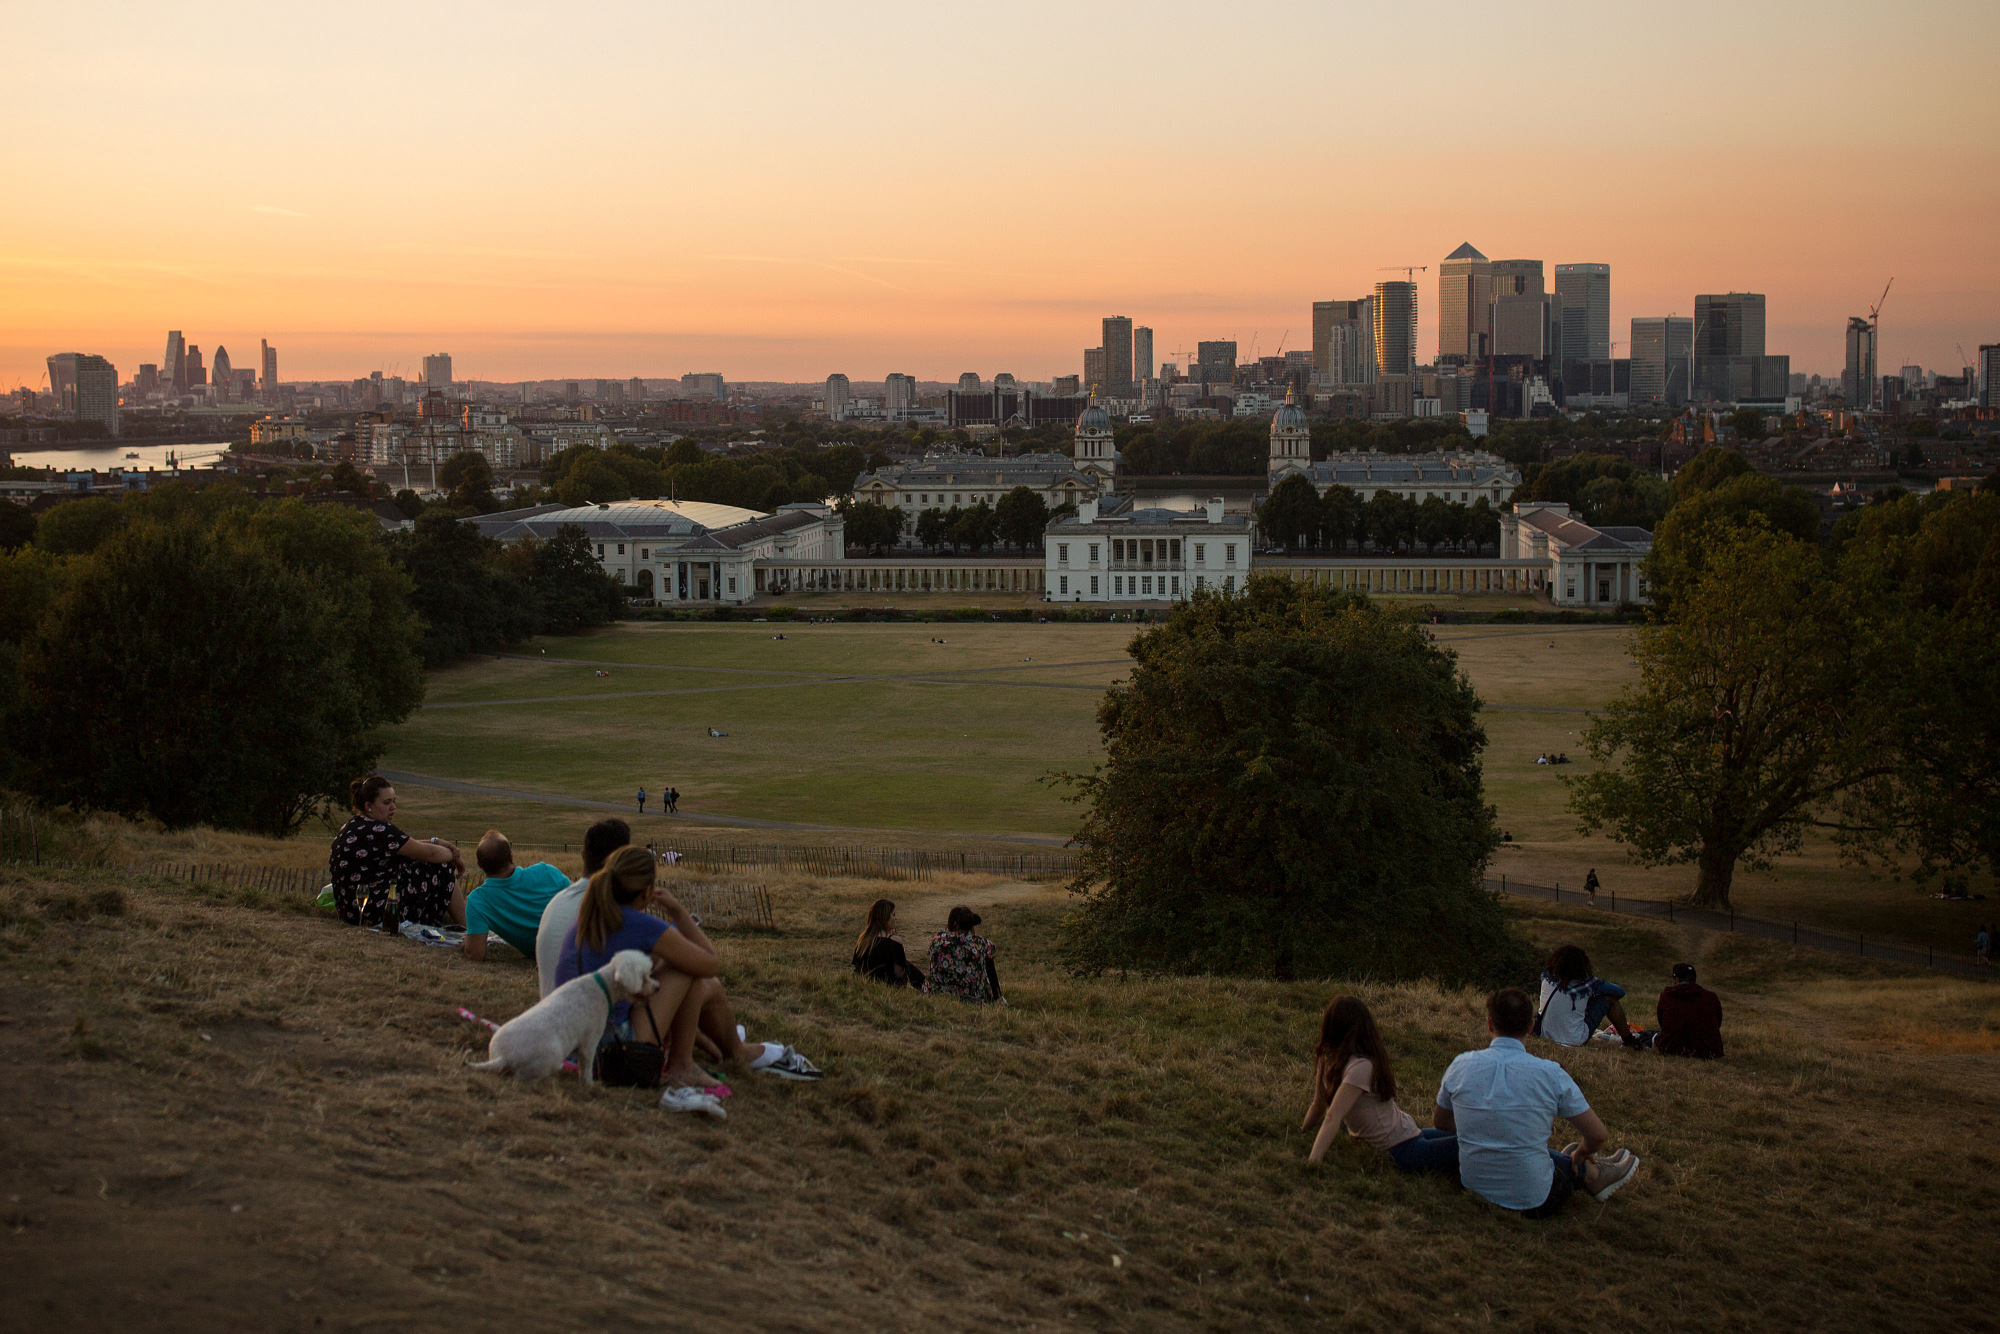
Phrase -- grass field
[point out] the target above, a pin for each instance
(225, 1113)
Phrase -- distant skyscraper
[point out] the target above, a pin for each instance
(899, 395)
(1728, 333)
(1215, 362)
(968, 382)
(1465, 305)
(704, 384)
(1395, 329)
(219, 376)
(173, 369)
(1660, 348)
(86, 388)
(1520, 309)
(1585, 293)
(1093, 370)
(1118, 356)
(1989, 375)
(1143, 366)
(1005, 383)
(635, 390)
(1857, 383)
(437, 370)
(837, 398)
(1344, 341)
(270, 372)
(193, 373)
(147, 381)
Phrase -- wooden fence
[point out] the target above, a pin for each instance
(919, 864)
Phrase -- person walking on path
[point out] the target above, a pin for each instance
(1590, 886)
(673, 801)
(1982, 947)
(642, 801)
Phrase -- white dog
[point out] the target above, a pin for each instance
(569, 1019)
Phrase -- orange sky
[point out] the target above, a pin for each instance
(779, 191)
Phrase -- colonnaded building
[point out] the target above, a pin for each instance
(948, 478)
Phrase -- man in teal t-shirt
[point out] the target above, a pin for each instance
(509, 904)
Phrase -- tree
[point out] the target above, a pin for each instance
(1291, 788)
(468, 602)
(931, 527)
(572, 589)
(1340, 517)
(1290, 515)
(976, 527)
(1023, 516)
(17, 526)
(1701, 518)
(1482, 524)
(1389, 519)
(192, 673)
(1434, 522)
(346, 477)
(1750, 719)
(1748, 423)
(468, 478)
(79, 527)
(871, 524)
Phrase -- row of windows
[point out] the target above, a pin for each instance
(1141, 585)
(1149, 548)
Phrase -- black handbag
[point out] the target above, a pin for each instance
(626, 1062)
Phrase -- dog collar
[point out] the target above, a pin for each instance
(599, 979)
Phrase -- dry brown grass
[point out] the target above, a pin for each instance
(221, 1112)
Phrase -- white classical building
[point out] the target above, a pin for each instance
(1585, 566)
(683, 550)
(943, 480)
(1109, 551)
(1454, 476)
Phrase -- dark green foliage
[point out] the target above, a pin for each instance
(871, 524)
(1723, 498)
(1604, 489)
(1290, 515)
(469, 601)
(1340, 517)
(1023, 516)
(933, 528)
(572, 590)
(468, 477)
(802, 472)
(78, 527)
(229, 673)
(976, 528)
(1291, 787)
(17, 526)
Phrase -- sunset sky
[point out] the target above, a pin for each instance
(780, 191)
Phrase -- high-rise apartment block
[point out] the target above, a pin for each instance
(437, 370)
(1093, 370)
(1661, 347)
(85, 388)
(968, 382)
(899, 395)
(1344, 342)
(1584, 293)
(1143, 365)
(1989, 375)
(1395, 329)
(635, 390)
(1118, 356)
(1520, 309)
(1857, 382)
(1215, 362)
(1465, 306)
(703, 384)
(838, 396)
(147, 381)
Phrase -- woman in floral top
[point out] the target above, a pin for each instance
(370, 854)
(962, 963)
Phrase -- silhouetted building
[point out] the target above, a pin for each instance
(1395, 329)
(1857, 382)
(1661, 348)
(85, 388)
(1465, 306)
(1117, 356)
(437, 370)
(1584, 293)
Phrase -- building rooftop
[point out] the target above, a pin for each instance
(1464, 252)
(639, 519)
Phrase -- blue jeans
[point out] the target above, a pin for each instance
(1564, 1184)
(1602, 993)
(1433, 1150)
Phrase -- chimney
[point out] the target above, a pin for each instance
(1086, 511)
(1215, 509)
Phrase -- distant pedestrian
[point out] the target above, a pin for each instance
(1590, 886)
(642, 801)
(673, 801)
(1982, 947)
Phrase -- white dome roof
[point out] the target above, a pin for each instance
(1288, 418)
(1093, 419)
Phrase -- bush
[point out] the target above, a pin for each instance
(1291, 788)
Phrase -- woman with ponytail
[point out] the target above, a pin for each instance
(371, 857)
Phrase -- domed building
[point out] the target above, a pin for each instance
(1291, 441)
(1096, 449)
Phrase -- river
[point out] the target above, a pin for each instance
(111, 454)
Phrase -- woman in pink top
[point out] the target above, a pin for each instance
(1354, 1086)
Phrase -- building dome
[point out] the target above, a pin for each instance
(1289, 418)
(1094, 418)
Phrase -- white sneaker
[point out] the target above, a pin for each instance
(786, 1064)
(1613, 1176)
(680, 1098)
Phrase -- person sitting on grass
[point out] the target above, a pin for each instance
(962, 963)
(878, 954)
(599, 842)
(371, 857)
(510, 903)
(1354, 1086)
(1690, 1018)
(1575, 1004)
(1501, 1103)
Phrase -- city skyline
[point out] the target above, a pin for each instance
(337, 244)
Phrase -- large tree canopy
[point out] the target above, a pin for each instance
(1291, 787)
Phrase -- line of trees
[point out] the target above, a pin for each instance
(803, 472)
(1296, 515)
(1017, 521)
(1848, 688)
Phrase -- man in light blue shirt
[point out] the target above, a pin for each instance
(1502, 1103)
(510, 902)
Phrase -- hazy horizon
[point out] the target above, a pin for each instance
(780, 194)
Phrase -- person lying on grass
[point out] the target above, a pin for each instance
(1501, 1103)
(1575, 1003)
(962, 963)
(510, 902)
(370, 857)
(1354, 1086)
(613, 917)
(878, 954)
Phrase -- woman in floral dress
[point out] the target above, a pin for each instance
(370, 855)
(962, 963)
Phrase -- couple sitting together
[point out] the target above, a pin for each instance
(961, 962)
(1495, 1109)
(1576, 1003)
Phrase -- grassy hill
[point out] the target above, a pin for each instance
(225, 1112)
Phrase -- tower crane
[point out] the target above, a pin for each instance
(1411, 269)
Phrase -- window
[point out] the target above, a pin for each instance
(600, 551)
(1228, 553)
(1118, 548)
(1177, 586)
(1062, 584)
(924, 499)
(621, 548)
(907, 498)
(732, 583)
(1229, 583)
(955, 497)
(1062, 553)
(1146, 585)
(1199, 548)
(1174, 550)
(1200, 583)
(1118, 585)
(645, 553)
(1093, 585)
(1093, 553)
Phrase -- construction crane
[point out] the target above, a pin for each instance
(1411, 269)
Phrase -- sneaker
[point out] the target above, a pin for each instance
(1615, 1156)
(1613, 1175)
(680, 1098)
(788, 1064)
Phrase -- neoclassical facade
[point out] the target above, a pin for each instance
(1585, 566)
(946, 479)
(1109, 551)
(683, 550)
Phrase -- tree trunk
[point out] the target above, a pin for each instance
(1718, 869)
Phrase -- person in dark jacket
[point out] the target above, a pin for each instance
(1690, 1018)
(877, 952)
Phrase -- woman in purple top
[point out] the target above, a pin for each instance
(370, 856)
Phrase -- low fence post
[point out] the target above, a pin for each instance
(1795, 933)
(1614, 900)
(1670, 910)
